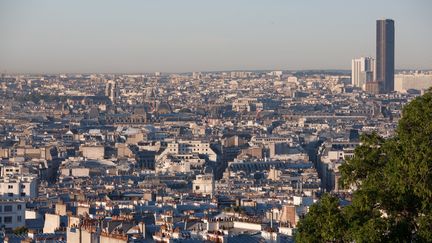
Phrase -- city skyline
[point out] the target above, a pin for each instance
(53, 37)
(215, 121)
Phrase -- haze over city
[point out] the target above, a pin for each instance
(215, 121)
(178, 36)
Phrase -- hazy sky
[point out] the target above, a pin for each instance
(200, 35)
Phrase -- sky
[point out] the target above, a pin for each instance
(135, 36)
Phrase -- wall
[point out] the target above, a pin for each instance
(93, 152)
(52, 222)
(247, 226)
(16, 214)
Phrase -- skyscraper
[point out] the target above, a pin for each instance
(362, 71)
(385, 45)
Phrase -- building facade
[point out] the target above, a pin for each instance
(416, 81)
(362, 71)
(18, 187)
(112, 91)
(12, 214)
(385, 46)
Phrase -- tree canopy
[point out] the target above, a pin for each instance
(393, 177)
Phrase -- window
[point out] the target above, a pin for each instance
(1, 219)
(10, 194)
(22, 186)
(10, 186)
(1, 208)
(8, 220)
(19, 218)
(23, 194)
(8, 208)
(19, 206)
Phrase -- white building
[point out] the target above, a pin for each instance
(9, 170)
(204, 184)
(362, 71)
(185, 156)
(53, 222)
(244, 104)
(333, 155)
(75, 172)
(18, 187)
(92, 152)
(12, 214)
(187, 146)
(292, 80)
(417, 81)
(183, 163)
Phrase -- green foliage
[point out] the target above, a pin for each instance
(20, 230)
(323, 223)
(393, 177)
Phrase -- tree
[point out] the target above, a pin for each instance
(393, 177)
(20, 230)
(323, 223)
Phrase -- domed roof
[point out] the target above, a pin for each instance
(164, 108)
(185, 110)
(141, 109)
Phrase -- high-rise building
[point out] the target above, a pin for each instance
(385, 46)
(362, 71)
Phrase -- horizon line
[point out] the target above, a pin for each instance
(206, 71)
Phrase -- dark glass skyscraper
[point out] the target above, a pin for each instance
(385, 45)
